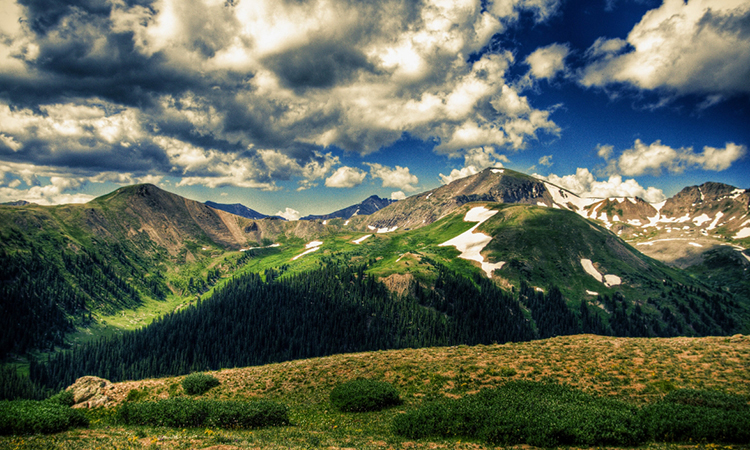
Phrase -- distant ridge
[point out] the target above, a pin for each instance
(238, 209)
(368, 206)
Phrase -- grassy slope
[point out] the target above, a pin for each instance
(541, 245)
(637, 370)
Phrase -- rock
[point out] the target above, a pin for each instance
(90, 392)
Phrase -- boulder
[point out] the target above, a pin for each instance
(90, 392)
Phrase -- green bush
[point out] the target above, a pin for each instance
(64, 398)
(135, 395)
(198, 383)
(707, 399)
(364, 395)
(521, 412)
(184, 412)
(699, 416)
(31, 417)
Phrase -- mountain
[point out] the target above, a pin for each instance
(571, 264)
(366, 207)
(67, 265)
(237, 209)
(490, 185)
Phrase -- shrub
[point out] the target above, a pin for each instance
(692, 415)
(199, 383)
(184, 412)
(64, 398)
(527, 413)
(708, 399)
(31, 417)
(364, 395)
(135, 395)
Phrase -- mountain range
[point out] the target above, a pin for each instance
(76, 272)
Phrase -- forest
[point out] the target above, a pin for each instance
(337, 308)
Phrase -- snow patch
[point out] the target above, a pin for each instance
(428, 196)
(588, 266)
(255, 248)
(387, 230)
(743, 233)
(609, 280)
(325, 222)
(346, 223)
(497, 170)
(359, 241)
(470, 244)
(370, 227)
(311, 247)
(700, 220)
(540, 204)
(612, 280)
(591, 292)
(695, 244)
(719, 215)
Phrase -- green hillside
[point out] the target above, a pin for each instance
(79, 272)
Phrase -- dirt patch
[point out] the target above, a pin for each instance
(399, 284)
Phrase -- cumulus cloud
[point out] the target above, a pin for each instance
(289, 214)
(547, 62)
(179, 87)
(398, 195)
(50, 185)
(699, 47)
(475, 160)
(398, 177)
(585, 184)
(546, 160)
(657, 157)
(346, 177)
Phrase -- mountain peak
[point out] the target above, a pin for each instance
(368, 206)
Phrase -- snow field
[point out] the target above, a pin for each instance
(609, 280)
(470, 244)
(360, 240)
(311, 247)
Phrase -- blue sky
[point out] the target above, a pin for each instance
(305, 107)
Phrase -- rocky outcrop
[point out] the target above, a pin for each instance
(91, 392)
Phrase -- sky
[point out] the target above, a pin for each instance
(299, 107)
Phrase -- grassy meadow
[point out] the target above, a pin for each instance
(636, 371)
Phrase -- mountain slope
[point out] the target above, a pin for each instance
(366, 207)
(139, 245)
(66, 265)
(237, 209)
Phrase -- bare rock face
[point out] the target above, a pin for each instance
(90, 392)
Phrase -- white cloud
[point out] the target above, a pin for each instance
(584, 184)
(289, 214)
(656, 157)
(475, 160)
(262, 83)
(700, 46)
(346, 177)
(547, 62)
(457, 174)
(49, 185)
(546, 160)
(398, 195)
(398, 177)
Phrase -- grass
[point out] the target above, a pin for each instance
(638, 371)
